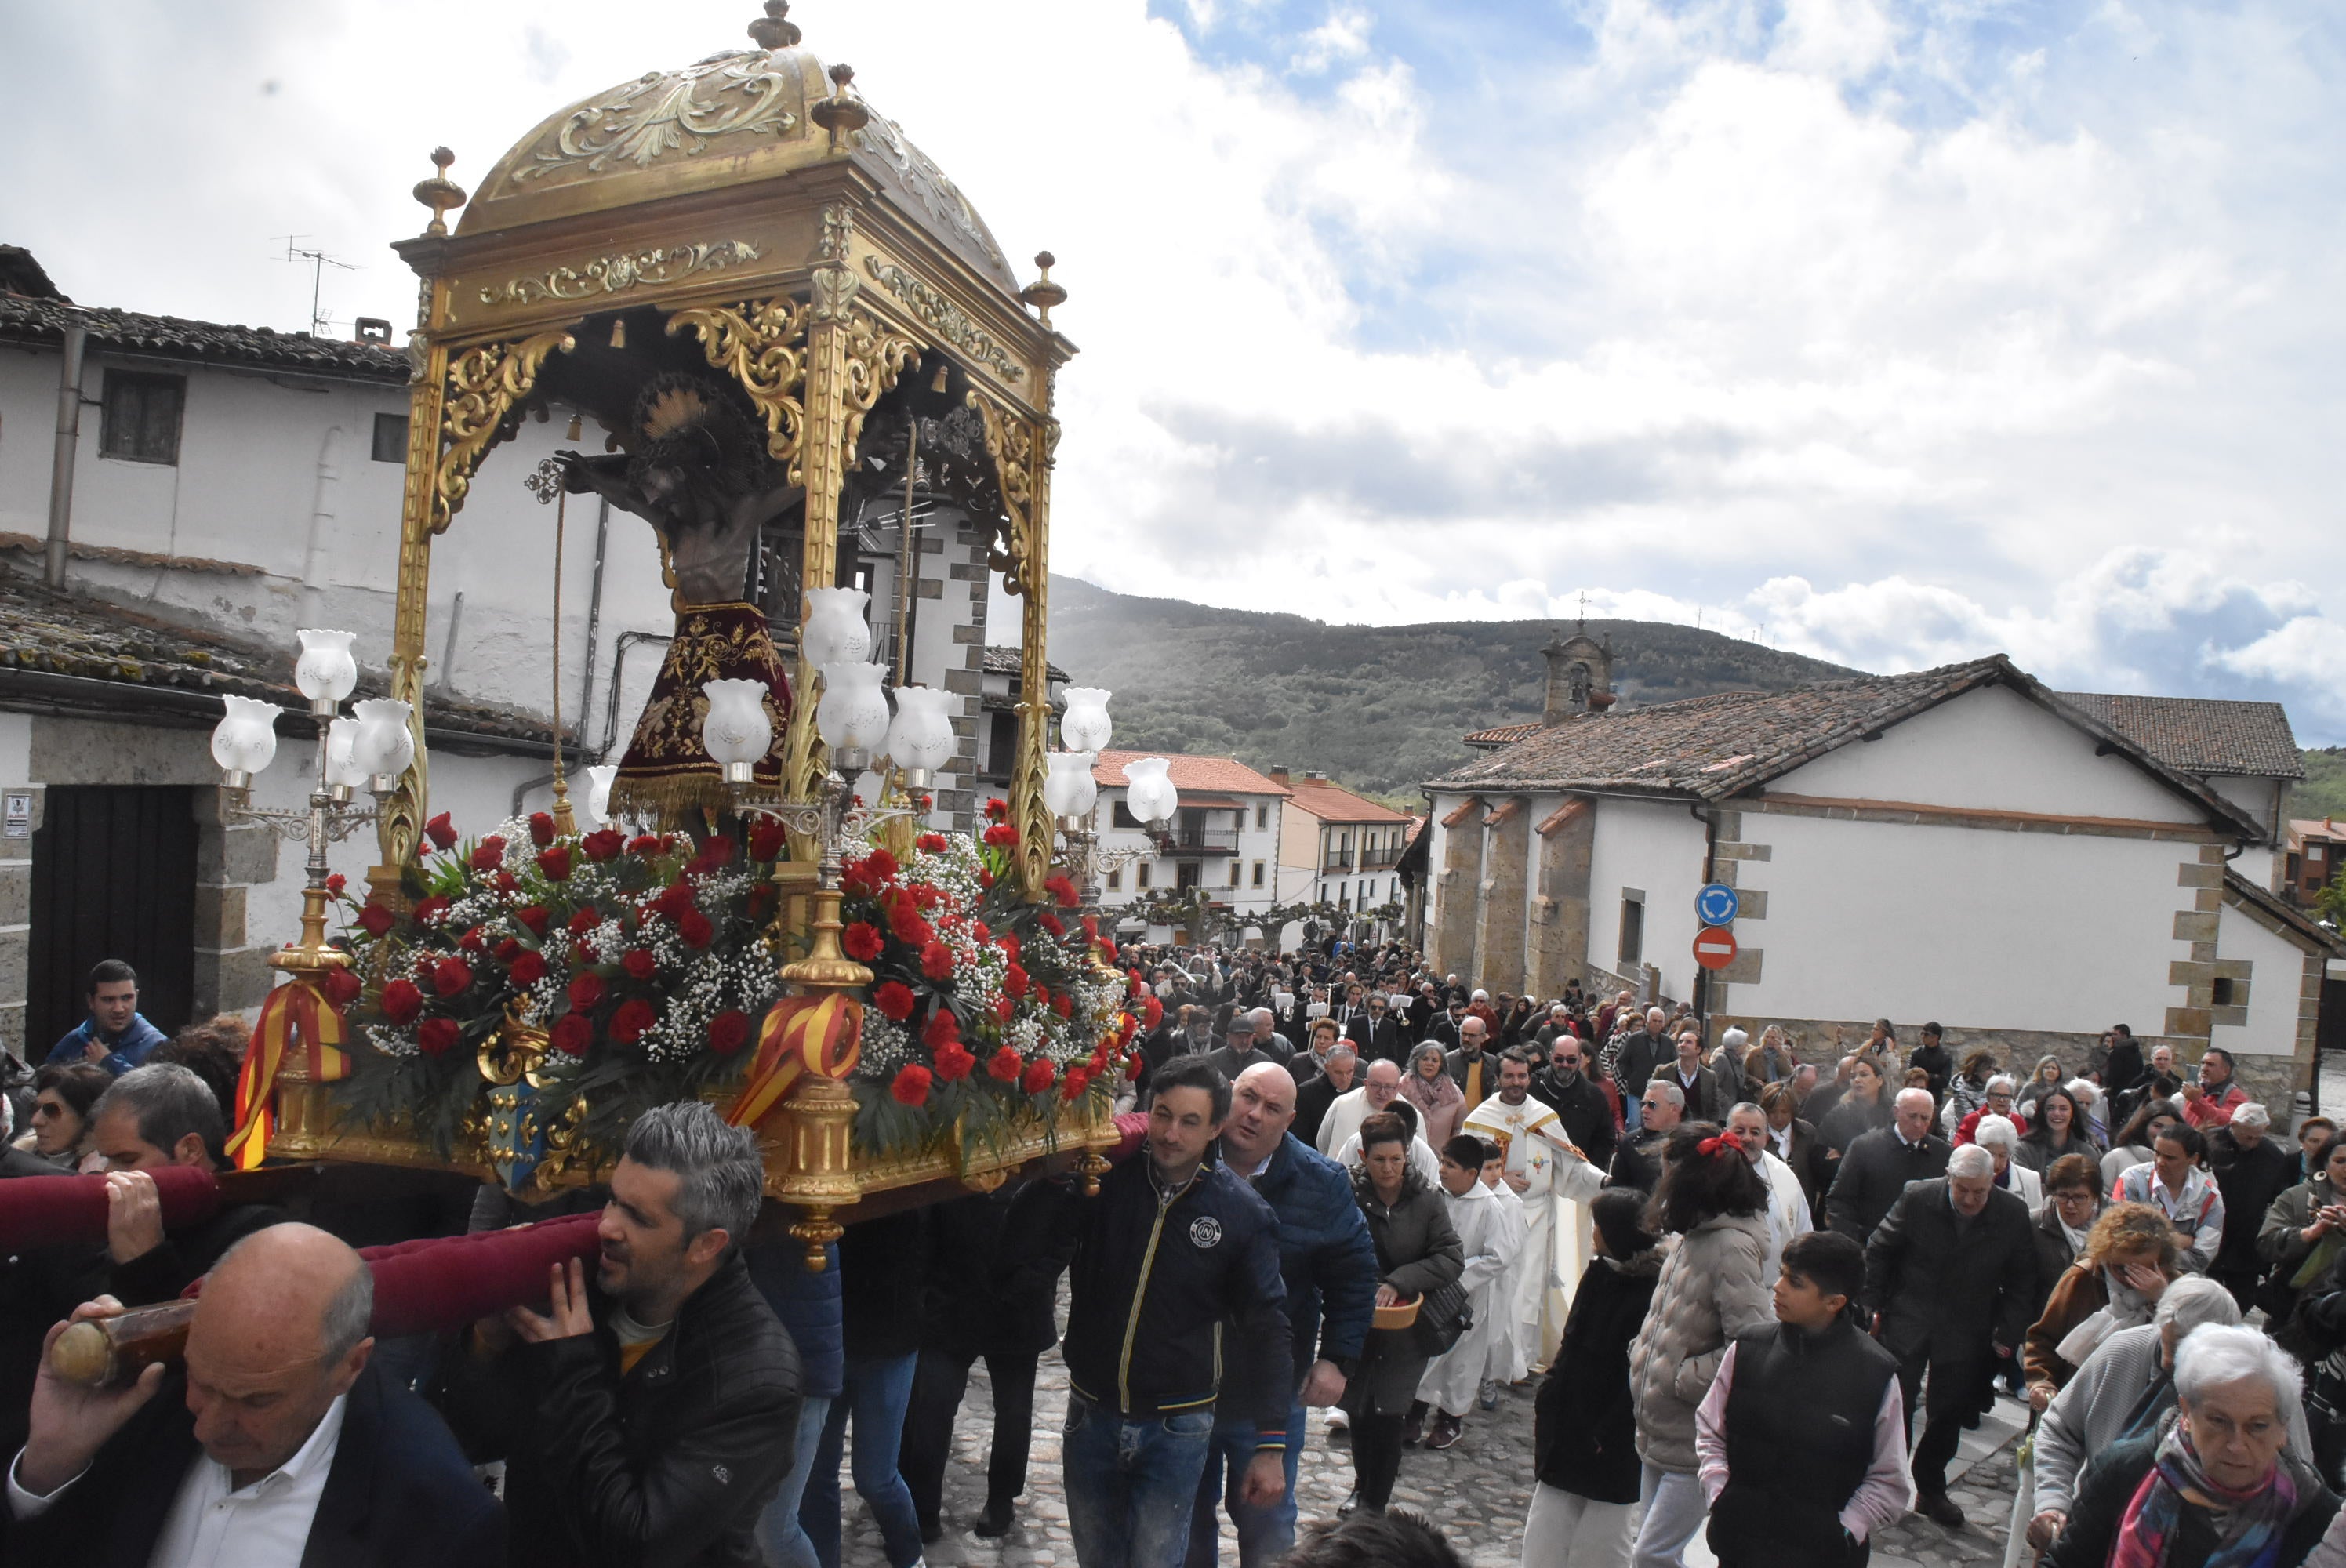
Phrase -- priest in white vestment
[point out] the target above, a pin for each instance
(1531, 1141)
(1787, 1205)
(1480, 1217)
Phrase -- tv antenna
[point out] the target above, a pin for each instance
(319, 261)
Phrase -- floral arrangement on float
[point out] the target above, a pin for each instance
(649, 963)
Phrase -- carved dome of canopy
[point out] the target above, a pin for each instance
(735, 118)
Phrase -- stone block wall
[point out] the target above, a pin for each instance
(1455, 885)
(1559, 916)
(1498, 961)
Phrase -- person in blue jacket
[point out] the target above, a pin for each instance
(114, 1036)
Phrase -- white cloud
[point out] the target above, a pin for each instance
(1344, 36)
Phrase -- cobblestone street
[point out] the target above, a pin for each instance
(1477, 1491)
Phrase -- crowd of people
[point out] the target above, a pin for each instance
(1764, 1285)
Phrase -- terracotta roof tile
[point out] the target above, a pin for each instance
(1217, 775)
(1504, 735)
(1335, 803)
(24, 318)
(1010, 660)
(2201, 735)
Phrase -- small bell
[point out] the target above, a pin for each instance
(619, 333)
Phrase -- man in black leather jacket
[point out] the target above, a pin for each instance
(648, 1415)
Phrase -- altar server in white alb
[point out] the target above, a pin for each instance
(1499, 1364)
(1531, 1140)
(1491, 1237)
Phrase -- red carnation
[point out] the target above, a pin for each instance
(586, 991)
(1006, 1065)
(451, 976)
(1001, 835)
(1078, 1080)
(431, 909)
(1004, 1009)
(604, 844)
(1015, 980)
(1063, 890)
(528, 969)
(1136, 988)
(985, 878)
(1152, 1011)
(930, 843)
(767, 842)
(336, 883)
(441, 831)
(1051, 924)
(584, 921)
(880, 866)
(996, 809)
(936, 960)
(729, 1031)
(909, 928)
(1063, 1004)
(1010, 943)
(489, 854)
(401, 1001)
(911, 1086)
(554, 863)
(978, 932)
(374, 919)
(694, 927)
(635, 1015)
(541, 829)
(435, 1035)
(862, 940)
(343, 987)
(953, 1062)
(639, 963)
(572, 1035)
(1040, 1076)
(535, 917)
(893, 998)
(942, 1026)
(1133, 1065)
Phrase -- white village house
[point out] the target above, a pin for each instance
(2024, 866)
(1223, 840)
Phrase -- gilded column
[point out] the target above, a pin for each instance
(822, 453)
(1027, 807)
(400, 822)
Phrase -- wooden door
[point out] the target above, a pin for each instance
(114, 876)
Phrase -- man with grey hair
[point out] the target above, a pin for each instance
(1633, 1060)
(2217, 1484)
(1878, 1165)
(1267, 1037)
(1951, 1279)
(280, 1441)
(2251, 1170)
(150, 1118)
(649, 1413)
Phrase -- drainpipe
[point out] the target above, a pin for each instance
(69, 447)
(1708, 815)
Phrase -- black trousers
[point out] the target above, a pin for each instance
(937, 1387)
(1376, 1456)
(1943, 1431)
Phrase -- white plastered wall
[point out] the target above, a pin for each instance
(1656, 848)
(2275, 982)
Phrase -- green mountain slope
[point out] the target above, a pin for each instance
(1378, 707)
(2323, 791)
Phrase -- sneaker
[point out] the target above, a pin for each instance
(1489, 1394)
(1939, 1509)
(996, 1519)
(1447, 1429)
(1345, 1509)
(1339, 1423)
(1413, 1428)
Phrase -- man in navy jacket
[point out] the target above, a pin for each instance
(115, 1036)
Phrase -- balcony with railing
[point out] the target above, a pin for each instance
(1185, 839)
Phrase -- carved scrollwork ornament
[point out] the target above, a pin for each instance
(875, 359)
(933, 308)
(484, 385)
(617, 273)
(1010, 443)
(764, 347)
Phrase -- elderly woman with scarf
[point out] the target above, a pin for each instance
(2123, 1270)
(1439, 1100)
(2213, 1486)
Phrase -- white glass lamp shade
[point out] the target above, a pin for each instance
(835, 631)
(245, 740)
(736, 731)
(853, 716)
(922, 739)
(381, 746)
(325, 672)
(341, 771)
(598, 791)
(1085, 726)
(1068, 790)
(1149, 794)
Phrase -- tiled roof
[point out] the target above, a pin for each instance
(1505, 735)
(1215, 775)
(2278, 914)
(2303, 828)
(1335, 803)
(28, 319)
(89, 656)
(2201, 735)
(1710, 748)
(1002, 660)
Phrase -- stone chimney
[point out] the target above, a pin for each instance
(1580, 678)
(1279, 774)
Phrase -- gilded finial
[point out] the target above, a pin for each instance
(440, 193)
(774, 30)
(841, 112)
(1042, 293)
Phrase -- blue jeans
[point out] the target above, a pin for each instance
(1131, 1484)
(779, 1529)
(1266, 1535)
(874, 1390)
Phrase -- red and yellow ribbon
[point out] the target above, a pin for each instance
(293, 1011)
(823, 1035)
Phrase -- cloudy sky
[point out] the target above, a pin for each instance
(1892, 332)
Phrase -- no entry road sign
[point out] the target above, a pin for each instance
(1716, 904)
(1714, 947)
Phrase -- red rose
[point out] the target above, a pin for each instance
(472, 941)
(507, 882)
(936, 960)
(634, 1016)
(1040, 1076)
(431, 909)
(583, 952)
(507, 951)
(1013, 980)
(534, 917)
(1006, 1065)
(604, 844)
(911, 1086)
(489, 854)
(584, 921)
(343, 987)
(645, 844)
(694, 927)
(586, 991)
(1051, 924)
(374, 919)
(541, 828)
(930, 843)
(1078, 1080)
(941, 1028)
(435, 1035)
(554, 863)
(451, 976)
(639, 963)
(761, 899)
(441, 831)
(894, 1000)
(528, 969)
(953, 1062)
(767, 842)
(336, 883)
(729, 1031)
(401, 1001)
(572, 1035)
(1002, 834)
(673, 900)
(862, 940)
(717, 852)
(996, 809)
